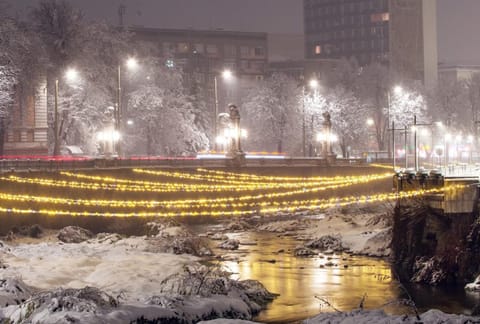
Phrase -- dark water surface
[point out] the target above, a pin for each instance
(268, 258)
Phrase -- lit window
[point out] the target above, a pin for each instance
(182, 48)
(318, 49)
(379, 17)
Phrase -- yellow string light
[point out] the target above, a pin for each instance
(149, 187)
(300, 206)
(191, 204)
(238, 185)
(255, 177)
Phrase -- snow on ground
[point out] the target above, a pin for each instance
(379, 317)
(112, 279)
(121, 267)
(473, 286)
(366, 232)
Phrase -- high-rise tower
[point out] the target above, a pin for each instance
(401, 33)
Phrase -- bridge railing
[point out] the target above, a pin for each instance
(7, 165)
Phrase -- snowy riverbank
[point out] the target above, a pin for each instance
(161, 277)
(113, 279)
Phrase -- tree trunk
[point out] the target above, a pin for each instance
(2, 135)
(343, 147)
(279, 146)
(149, 142)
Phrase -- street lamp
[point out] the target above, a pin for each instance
(226, 75)
(313, 84)
(415, 141)
(131, 64)
(71, 75)
(397, 91)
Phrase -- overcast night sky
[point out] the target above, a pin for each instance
(458, 23)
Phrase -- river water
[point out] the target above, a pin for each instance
(341, 280)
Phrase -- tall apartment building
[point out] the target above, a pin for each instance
(204, 54)
(401, 33)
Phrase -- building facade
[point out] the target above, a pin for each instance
(453, 73)
(204, 54)
(27, 129)
(401, 33)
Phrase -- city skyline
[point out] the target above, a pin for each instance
(458, 42)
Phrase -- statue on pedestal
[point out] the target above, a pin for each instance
(235, 150)
(327, 150)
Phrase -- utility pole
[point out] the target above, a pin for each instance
(415, 142)
(303, 122)
(118, 114)
(56, 144)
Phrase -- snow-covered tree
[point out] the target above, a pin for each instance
(343, 74)
(164, 118)
(272, 114)
(473, 91)
(345, 109)
(373, 85)
(59, 25)
(18, 59)
(448, 103)
(313, 105)
(85, 103)
(95, 50)
(405, 103)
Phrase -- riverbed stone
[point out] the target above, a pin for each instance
(302, 251)
(74, 234)
(230, 244)
(326, 242)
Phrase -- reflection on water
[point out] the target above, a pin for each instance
(343, 284)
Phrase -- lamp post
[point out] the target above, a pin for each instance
(71, 75)
(313, 84)
(397, 90)
(393, 129)
(226, 75)
(131, 64)
(56, 146)
(415, 141)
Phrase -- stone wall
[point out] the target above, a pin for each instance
(437, 245)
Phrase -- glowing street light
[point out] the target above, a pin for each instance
(70, 75)
(397, 90)
(312, 84)
(226, 75)
(131, 64)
